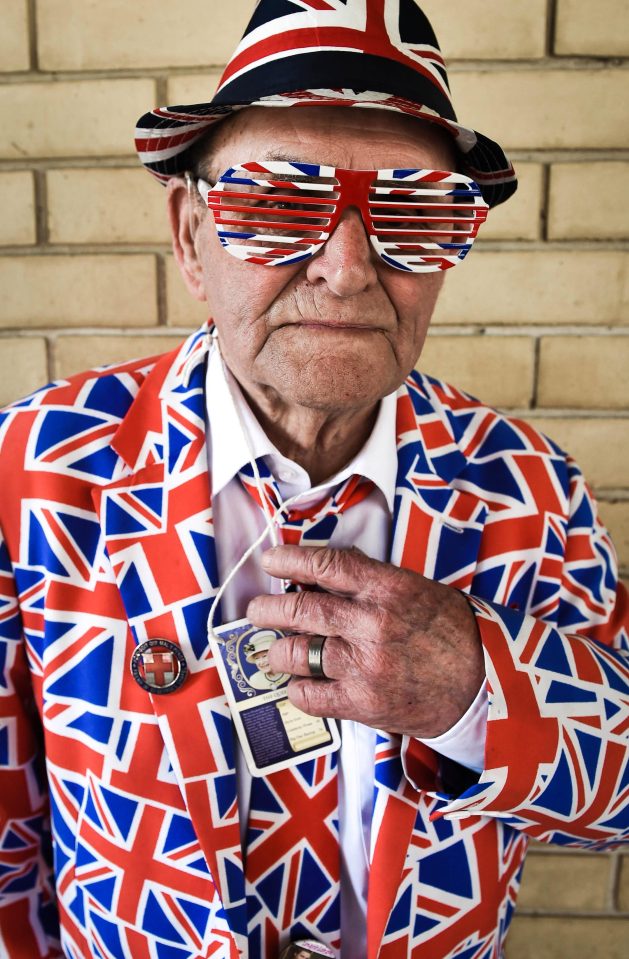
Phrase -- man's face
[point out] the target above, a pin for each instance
(343, 329)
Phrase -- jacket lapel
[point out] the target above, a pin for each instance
(158, 529)
(437, 531)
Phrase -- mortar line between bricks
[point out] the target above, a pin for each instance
(539, 848)
(551, 27)
(51, 363)
(160, 291)
(115, 73)
(119, 333)
(571, 414)
(572, 914)
(31, 17)
(488, 246)
(462, 65)
(544, 213)
(612, 495)
(536, 367)
(552, 155)
(122, 162)
(41, 209)
(528, 330)
(613, 884)
(86, 249)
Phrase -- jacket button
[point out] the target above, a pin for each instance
(159, 666)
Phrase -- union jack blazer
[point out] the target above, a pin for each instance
(107, 541)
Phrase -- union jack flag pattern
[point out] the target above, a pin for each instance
(107, 542)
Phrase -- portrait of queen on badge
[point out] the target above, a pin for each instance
(255, 647)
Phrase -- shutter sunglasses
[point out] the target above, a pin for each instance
(279, 213)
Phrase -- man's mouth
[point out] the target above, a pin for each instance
(334, 325)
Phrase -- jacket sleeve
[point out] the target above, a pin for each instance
(557, 756)
(28, 917)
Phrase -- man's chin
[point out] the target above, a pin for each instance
(336, 371)
(332, 393)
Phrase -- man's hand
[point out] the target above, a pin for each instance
(402, 652)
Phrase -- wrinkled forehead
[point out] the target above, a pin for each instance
(354, 138)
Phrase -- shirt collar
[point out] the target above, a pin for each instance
(228, 411)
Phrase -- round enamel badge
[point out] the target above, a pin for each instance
(159, 666)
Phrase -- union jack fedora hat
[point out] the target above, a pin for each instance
(352, 53)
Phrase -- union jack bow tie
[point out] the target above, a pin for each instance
(312, 525)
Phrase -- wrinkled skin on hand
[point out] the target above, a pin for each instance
(402, 652)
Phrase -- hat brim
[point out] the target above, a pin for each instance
(165, 136)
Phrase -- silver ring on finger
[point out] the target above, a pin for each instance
(315, 656)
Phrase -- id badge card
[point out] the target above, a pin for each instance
(307, 949)
(273, 733)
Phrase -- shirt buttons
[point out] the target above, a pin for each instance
(286, 475)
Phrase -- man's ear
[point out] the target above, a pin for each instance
(183, 214)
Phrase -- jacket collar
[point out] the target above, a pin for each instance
(174, 387)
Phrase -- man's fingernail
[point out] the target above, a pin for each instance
(267, 556)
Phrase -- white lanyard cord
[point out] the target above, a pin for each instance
(271, 519)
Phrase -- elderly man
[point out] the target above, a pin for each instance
(447, 593)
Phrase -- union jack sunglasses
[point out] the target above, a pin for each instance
(276, 213)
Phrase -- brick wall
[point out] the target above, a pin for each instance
(537, 322)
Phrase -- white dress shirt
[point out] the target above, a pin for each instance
(238, 522)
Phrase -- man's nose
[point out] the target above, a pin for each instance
(346, 262)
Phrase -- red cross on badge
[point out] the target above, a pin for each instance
(158, 666)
